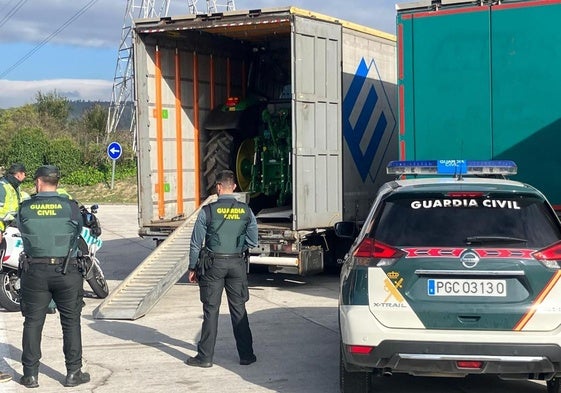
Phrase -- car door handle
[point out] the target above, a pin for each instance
(469, 318)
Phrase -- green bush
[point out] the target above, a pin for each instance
(65, 154)
(28, 146)
(124, 169)
(85, 177)
(95, 154)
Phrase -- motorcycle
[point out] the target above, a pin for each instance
(88, 245)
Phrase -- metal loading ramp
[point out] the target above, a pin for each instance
(154, 277)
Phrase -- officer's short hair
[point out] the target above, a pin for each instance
(48, 173)
(16, 168)
(226, 177)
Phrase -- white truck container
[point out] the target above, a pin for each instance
(332, 82)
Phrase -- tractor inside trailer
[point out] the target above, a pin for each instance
(250, 133)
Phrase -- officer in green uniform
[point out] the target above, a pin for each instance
(50, 225)
(229, 231)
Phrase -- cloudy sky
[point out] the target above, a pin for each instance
(71, 46)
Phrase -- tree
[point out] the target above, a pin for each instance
(44, 133)
(53, 110)
(14, 119)
(94, 121)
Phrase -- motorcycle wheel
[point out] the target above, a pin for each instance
(10, 294)
(98, 283)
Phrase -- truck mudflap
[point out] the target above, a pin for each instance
(156, 231)
(306, 262)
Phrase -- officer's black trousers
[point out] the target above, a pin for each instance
(39, 285)
(231, 275)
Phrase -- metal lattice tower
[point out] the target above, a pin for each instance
(212, 6)
(123, 82)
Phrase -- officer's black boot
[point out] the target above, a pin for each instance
(29, 381)
(76, 378)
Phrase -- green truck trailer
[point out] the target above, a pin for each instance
(481, 80)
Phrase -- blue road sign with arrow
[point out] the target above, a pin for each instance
(114, 150)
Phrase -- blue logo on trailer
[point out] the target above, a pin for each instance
(114, 150)
(362, 88)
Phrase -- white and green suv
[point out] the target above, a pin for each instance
(452, 275)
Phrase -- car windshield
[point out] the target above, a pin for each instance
(493, 220)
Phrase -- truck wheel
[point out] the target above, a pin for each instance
(356, 382)
(10, 294)
(219, 155)
(553, 385)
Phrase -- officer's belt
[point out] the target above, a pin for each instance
(50, 261)
(221, 255)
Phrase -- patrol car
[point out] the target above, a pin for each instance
(452, 275)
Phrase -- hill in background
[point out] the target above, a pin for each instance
(77, 109)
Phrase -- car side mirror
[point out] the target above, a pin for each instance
(346, 229)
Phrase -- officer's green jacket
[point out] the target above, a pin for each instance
(50, 225)
(232, 229)
(10, 199)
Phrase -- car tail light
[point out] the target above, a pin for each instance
(359, 349)
(550, 256)
(232, 101)
(473, 364)
(371, 252)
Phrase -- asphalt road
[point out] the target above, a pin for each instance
(294, 323)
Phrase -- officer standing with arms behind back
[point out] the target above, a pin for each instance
(227, 234)
(50, 225)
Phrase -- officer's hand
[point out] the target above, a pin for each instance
(1, 237)
(192, 276)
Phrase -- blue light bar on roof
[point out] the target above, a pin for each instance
(452, 167)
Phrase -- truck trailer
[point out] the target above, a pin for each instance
(300, 105)
(480, 80)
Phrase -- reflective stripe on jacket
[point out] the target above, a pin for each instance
(9, 203)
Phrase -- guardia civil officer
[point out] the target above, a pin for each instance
(10, 194)
(231, 230)
(50, 225)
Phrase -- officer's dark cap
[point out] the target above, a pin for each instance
(16, 168)
(47, 171)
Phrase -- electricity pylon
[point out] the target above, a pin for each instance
(123, 83)
(212, 6)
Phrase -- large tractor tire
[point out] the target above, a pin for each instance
(220, 155)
